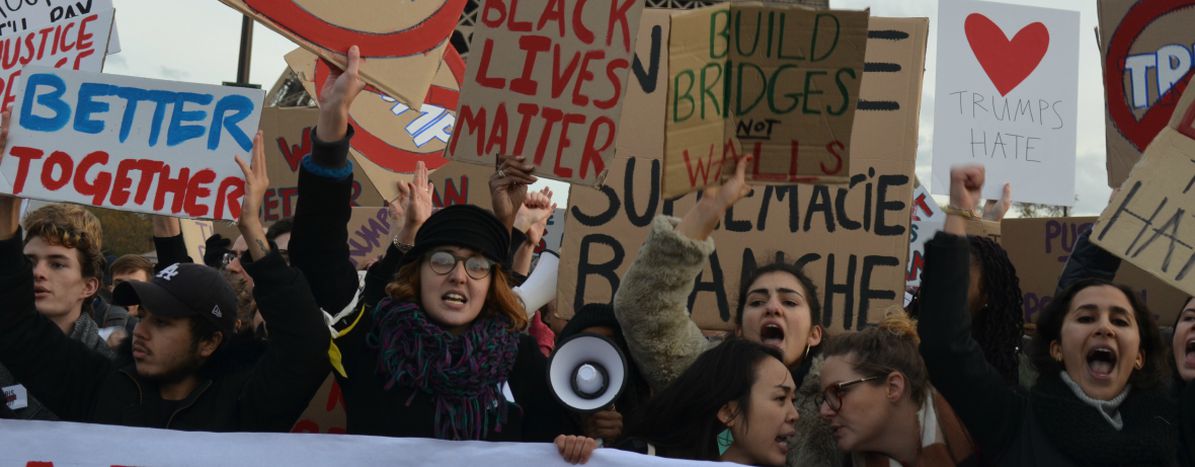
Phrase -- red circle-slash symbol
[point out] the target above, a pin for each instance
(420, 38)
(1139, 17)
(386, 155)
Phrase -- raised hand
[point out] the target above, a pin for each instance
(257, 181)
(994, 210)
(508, 187)
(700, 221)
(966, 189)
(336, 97)
(413, 205)
(10, 207)
(533, 215)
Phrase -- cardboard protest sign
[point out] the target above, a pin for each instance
(1147, 222)
(325, 414)
(1039, 250)
(852, 238)
(402, 42)
(131, 144)
(390, 136)
(195, 235)
(1148, 50)
(928, 219)
(552, 91)
(779, 82)
(1008, 99)
(78, 43)
(287, 133)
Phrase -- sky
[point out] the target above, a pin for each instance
(198, 40)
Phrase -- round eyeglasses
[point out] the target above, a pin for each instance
(443, 262)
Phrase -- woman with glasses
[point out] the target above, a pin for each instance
(877, 398)
(1100, 397)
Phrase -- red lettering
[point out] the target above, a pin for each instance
(585, 75)
(290, 193)
(612, 73)
(9, 89)
(579, 29)
(39, 464)
(120, 188)
(84, 39)
(920, 206)
(517, 26)
(175, 186)
(269, 203)
(703, 170)
(197, 190)
(63, 33)
(498, 132)
(293, 153)
(231, 190)
(493, 6)
(554, 12)
(527, 110)
(533, 45)
(550, 116)
(833, 147)
(468, 122)
(487, 53)
(618, 15)
(62, 161)
(916, 264)
(561, 80)
(82, 55)
(452, 195)
(97, 189)
(24, 155)
(148, 168)
(564, 143)
(593, 153)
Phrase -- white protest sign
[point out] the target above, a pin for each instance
(50, 444)
(77, 43)
(131, 144)
(928, 219)
(1007, 91)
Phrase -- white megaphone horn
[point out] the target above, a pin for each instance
(540, 287)
(587, 372)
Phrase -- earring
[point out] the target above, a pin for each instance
(725, 439)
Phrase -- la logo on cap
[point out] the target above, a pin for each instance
(216, 312)
(169, 272)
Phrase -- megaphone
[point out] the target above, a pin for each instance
(587, 372)
(540, 288)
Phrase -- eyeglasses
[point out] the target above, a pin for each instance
(443, 262)
(228, 258)
(832, 395)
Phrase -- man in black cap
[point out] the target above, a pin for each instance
(176, 371)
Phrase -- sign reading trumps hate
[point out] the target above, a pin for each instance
(546, 81)
(131, 144)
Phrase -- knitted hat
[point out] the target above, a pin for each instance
(590, 315)
(462, 225)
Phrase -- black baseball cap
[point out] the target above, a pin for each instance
(181, 290)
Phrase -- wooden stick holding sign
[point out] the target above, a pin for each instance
(556, 102)
(130, 144)
(1148, 222)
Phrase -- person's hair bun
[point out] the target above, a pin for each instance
(898, 322)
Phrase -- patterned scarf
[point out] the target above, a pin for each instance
(463, 374)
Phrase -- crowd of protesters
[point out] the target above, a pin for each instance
(433, 340)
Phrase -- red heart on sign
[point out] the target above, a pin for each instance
(1006, 62)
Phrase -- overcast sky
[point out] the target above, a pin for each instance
(197, 40)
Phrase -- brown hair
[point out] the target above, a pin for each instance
(132, 263)
(70, 226)
(884, 348)
(499, 299)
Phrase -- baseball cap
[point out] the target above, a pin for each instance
(181, 290)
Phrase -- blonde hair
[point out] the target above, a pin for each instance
(888, 346)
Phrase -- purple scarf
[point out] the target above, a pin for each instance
(463, 374)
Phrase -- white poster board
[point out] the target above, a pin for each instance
(1006, 97)
(32, 15)
(928, 219)
(76, 43)
(131, 144)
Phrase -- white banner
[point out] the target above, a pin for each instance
(60, 444)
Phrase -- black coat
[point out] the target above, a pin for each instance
(81, 385)
(1009, 425)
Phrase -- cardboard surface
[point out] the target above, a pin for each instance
(852, 239)
(1147, 222)
(195, 235)
(76, 43)
(1039, 249)
(402, 46)
(1008, 98)
(1148, 50)
(76, 138)
(287, 133)
(547, 88)
(390, 136)
(780, 82)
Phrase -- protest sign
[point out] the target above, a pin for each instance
(553, 91)
(1144, 222)
(45, 444)
(195, 235)
(1009, 99)
(1148, 49)
(1039, 250)
(287, 134)
(131, 144)
(402, 42)
(325, 414)
(779, 82)
(18, 17)
(852, 238)
(390, 136)
(928, 219)
(77, 43)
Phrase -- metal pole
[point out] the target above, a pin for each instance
(246, 50)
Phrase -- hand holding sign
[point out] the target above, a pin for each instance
(700, 221)
(508, 187)
(337, 96)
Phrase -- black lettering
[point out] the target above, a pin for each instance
(820, 201)
(866, 293)
(882, 205)
(653, 198)
(607, 270)
(715, 285)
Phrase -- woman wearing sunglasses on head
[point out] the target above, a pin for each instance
(877, 398)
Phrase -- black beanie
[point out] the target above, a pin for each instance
(462, 225)
(590, 315)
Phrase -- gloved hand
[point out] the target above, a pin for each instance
(214, 249)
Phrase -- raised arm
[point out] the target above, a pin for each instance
(295, 362)
(988, 406)
(651, 303)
